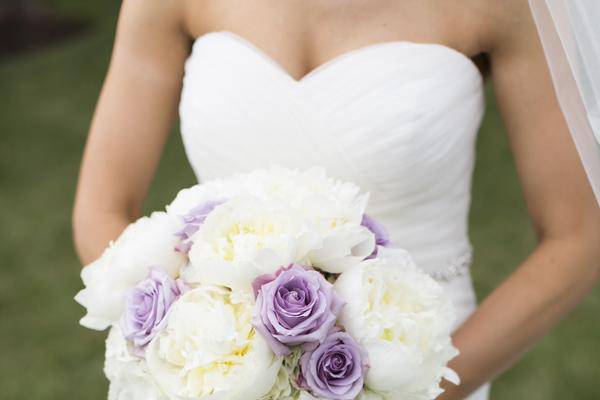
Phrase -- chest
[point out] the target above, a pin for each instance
(300, 36)
(386, 113)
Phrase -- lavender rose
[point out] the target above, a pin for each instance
(192, 221)
(381, 235)
(294, 306)
(335, 369)
(146, 306)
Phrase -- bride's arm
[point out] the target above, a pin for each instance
(565, 265)
(133, 117)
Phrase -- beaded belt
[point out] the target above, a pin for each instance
(456, 267)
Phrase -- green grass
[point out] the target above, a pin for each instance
(46, 102)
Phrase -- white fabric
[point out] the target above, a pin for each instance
(399, 118)
(570, 34)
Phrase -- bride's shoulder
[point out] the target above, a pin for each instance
(152, 18)
(167, 11)
(502, 24)
(151, 32)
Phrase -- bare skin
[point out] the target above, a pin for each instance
(138, 103)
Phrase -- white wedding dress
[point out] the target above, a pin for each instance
(398, 118)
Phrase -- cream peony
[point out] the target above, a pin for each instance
(303, 190)
(148, 242)
(403, 319)
(342, 248)
(334, 208)
(209, 349)
(244, 238)
(128, 375)
(299, 189)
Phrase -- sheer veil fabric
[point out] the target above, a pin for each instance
(570, 34)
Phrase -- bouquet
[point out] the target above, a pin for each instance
(270, 285)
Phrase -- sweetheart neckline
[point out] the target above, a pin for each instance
(260, 53)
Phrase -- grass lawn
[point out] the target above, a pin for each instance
(46, 102)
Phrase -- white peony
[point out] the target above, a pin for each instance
(333, 207)
(244, 238)
(291, 186)
(128, 375)
(148, 242)
(342, 248)
(403, 319)
(209, 349)
(302, 190)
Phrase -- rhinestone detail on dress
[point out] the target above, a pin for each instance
(456, 267)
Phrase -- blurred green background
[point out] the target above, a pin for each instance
(47, 98)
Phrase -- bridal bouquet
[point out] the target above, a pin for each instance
(269, 285)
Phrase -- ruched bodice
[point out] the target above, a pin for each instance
(397, 118)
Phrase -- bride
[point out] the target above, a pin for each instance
(387, 94)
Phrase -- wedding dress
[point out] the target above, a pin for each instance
(398, 118)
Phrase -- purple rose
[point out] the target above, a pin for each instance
(335, 369)
(192, 221)
(146, 306)
(381, 236)
(295, 306)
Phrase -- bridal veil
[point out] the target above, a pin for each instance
(570, 35)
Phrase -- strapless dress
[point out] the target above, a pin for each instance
(398, 118)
